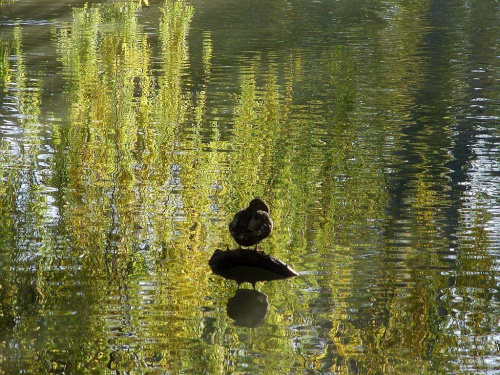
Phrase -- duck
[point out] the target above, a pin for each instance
(252, 224)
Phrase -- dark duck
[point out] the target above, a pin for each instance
(252, 224)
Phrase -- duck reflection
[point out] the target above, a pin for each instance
(248, 308)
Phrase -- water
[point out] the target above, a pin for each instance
(131, 135)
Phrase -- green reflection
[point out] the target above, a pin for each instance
(26, 243)
(4, 64)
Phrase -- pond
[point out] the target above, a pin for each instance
(132, 132)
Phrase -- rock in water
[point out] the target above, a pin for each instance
(249, 266)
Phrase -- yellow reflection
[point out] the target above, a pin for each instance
(4, 63)
(149, 175)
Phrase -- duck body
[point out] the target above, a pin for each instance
(252, 224)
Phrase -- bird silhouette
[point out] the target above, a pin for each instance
(252, 224)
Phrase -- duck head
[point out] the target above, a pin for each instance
(259, 204)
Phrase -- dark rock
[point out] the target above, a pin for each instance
(249, 266)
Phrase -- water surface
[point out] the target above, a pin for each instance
(131, 134)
